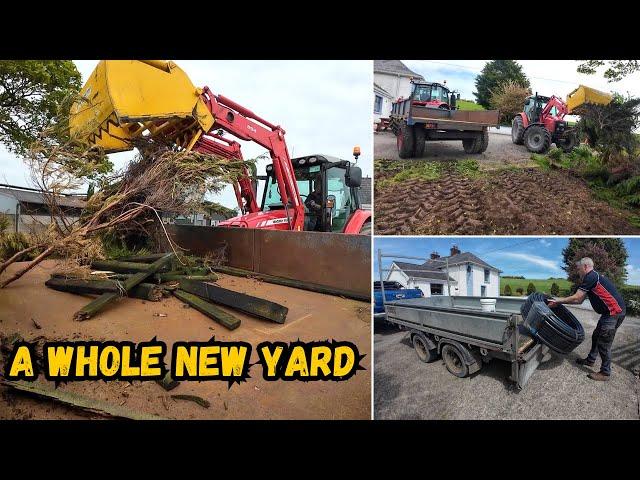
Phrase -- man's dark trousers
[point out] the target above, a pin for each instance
(602, 339)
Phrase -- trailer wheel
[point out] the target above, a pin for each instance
(425, 354)
(420, 139)
(517, 131)
(454, 361)
(537, 139)
(477, 144)
(405, 141)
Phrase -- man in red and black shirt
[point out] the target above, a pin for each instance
(606, 301)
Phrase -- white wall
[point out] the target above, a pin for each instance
(395, 85)
(459, 273)
(386, 109)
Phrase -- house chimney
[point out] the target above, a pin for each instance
(454, 250)
(434, 255)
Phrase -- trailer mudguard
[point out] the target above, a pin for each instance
(474, 363)
(430, 343)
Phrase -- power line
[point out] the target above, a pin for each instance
(478, 71)
(510, 246)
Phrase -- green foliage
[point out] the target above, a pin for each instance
(531, 288)
(216, 208)
(117, 246)
(555, 289)
(509, 97)
(5, 223)
(494, 74)
(519, 291)
(542, 285)
(609, 256)
(468, 168)
(468, 105)
(631, 296)
(616, 69)
(31, 93)
(507, 290)
(611, 128)
(12, 243)
(423, 171)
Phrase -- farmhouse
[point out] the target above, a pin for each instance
(391, 80)
(468, 275)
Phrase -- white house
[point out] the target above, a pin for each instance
(382, 101)
(468, 275)
(393, 78)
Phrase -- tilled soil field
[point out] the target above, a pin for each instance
(515, 201)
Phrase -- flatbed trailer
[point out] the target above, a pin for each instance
(457, 329)
(414, 125)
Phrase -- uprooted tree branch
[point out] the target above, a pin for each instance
(158, 179)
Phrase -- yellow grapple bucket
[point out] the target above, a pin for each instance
(584, 95)
(124, 100)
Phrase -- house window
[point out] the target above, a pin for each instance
(487, 273)
(377, 105)
(436, 289)
(483, 291)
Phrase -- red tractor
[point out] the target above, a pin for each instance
(430, 94)
(124, 100)
(542, 123)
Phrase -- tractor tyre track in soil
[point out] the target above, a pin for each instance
(516, 201)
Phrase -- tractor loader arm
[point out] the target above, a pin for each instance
(246, 125)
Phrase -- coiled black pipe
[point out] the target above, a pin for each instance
(557, 328)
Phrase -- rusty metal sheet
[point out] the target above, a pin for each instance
(202, 240)
(331, 259)
(485, 117)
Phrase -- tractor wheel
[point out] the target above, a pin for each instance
(477, 144)
(537, 139)
(517, 130)
(405, 141)
(420, 139)
(568, 142)
(365, 229)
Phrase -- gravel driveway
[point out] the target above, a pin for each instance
(500, 151)
(405, 388)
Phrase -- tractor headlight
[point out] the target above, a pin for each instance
(312, 160)
(302, 161)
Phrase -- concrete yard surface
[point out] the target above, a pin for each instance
(500, 152)
(405, 388)
(311, 316)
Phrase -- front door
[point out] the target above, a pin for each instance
(469, 281)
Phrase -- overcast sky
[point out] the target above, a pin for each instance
(534, 258)
(324, 107)
(547, 77)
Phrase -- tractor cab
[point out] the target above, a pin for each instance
(435, 95)
(339, 181)
(533, 107)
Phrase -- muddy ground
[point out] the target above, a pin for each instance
(523, 201)
(509, 196)
(406, 388)
(312, 316)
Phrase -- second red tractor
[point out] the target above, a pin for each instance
(542, 123)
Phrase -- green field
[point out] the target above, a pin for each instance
(542, 285)
(468, 105)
